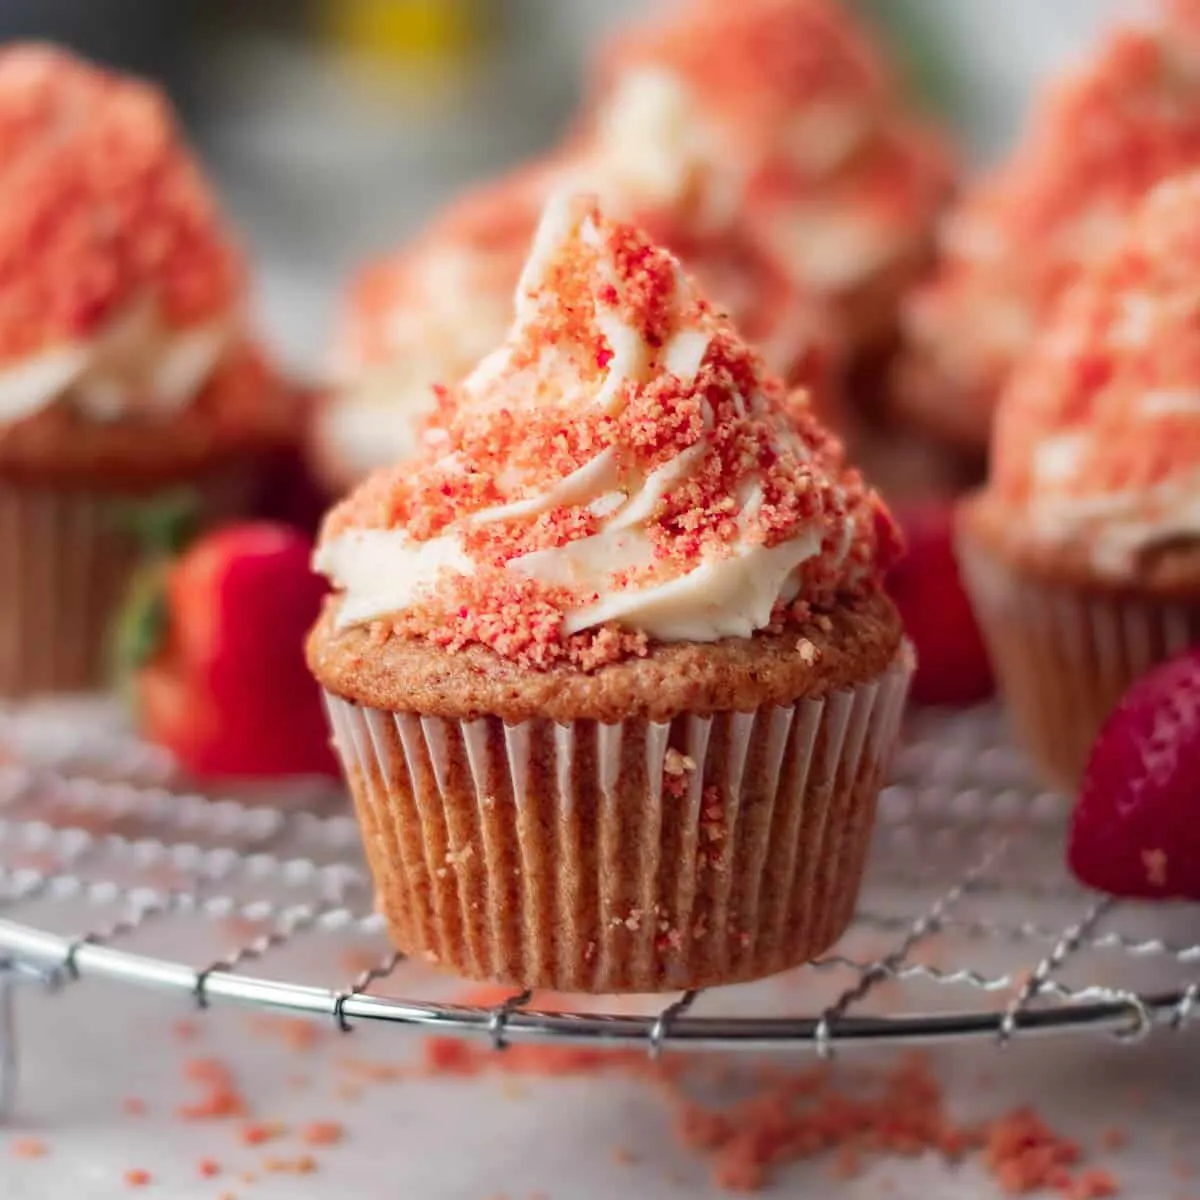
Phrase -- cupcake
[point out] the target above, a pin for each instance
(1098, 140)
(782, 120)
(609, 666)
(422, 317)
(1081, 552)
(126, 375)
(758, 141)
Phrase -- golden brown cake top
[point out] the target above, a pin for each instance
(623, 468)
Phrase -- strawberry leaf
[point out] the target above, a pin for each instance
(164, 524)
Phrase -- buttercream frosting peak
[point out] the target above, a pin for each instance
(625, 457)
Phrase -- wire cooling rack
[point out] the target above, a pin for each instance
(969, 925)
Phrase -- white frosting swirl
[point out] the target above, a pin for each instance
(730, 592)
(449, 311)
(134, 365)
(1117, 526)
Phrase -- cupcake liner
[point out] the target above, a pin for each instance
(65, 562)
(637, 856)
(1065, 656)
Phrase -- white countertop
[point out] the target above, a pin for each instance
(89, 1048)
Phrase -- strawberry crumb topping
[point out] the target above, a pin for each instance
(615, 373)
(1099, 139)
(103, 204)
(762, 58)
(1115, 377)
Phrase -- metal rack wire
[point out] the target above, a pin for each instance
(969, 925)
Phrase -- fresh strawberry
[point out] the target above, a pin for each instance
(220, 677)
(241, 602)
(1136, 828)
(953, 667)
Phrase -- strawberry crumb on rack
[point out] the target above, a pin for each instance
(564, 427)
(208, 1168)
(103, 205)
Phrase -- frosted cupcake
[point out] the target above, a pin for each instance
(1081, 553)
(1126, 119)
(609, 667)
(781, 120)
(126, 373)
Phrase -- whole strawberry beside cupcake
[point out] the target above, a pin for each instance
(1134, 831)
(1083, 551)
(211, 651)
(611, 669)
(127, 369)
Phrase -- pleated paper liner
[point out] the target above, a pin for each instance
(66, 560)
(629, 857)
(1065, 656)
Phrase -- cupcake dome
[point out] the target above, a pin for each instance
(1125, 120)
(609, 666)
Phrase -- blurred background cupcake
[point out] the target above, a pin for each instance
(766, 143)
(1081, 552)
(128, 378)
(1125, 118)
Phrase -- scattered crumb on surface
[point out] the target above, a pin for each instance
(297, 1033)
(305, 1164)
(136, 1177)
(1114, 1139)
(850, 1116)
(208, 1168)
(257, 1133)
(132, 1106)
(29, 1147)
(323, 1133)
(220, 1097)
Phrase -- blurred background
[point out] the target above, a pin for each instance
(334, 127)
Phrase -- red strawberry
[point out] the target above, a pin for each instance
(952, 661)
(226, 687)
(1136, 828)
(241, 602)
